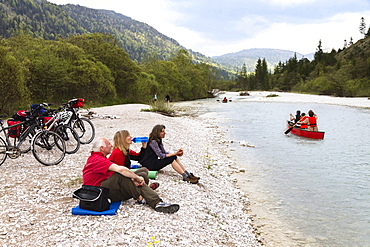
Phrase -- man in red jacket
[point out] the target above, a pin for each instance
(122, 183)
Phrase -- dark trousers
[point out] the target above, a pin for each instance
(160, 163)
(122, 188)
(143, 172)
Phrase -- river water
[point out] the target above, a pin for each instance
(304, 192)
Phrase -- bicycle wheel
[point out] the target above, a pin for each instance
(3, 148)
(70, 138)
(85, 130)
(48, 148)
(24, 142)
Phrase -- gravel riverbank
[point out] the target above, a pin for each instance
(36, 200)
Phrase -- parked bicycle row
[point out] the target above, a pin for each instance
(48, 133)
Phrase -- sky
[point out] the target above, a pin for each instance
(218, 27)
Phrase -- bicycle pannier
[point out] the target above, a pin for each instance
(21, 115)
(93, 198)
(78, 103)
(47, 119)
(37, 110)
(14, 131)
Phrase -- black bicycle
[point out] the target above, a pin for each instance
(22, 136)
(83, 126)
(55, 123)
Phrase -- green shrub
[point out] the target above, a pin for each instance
(162, 108)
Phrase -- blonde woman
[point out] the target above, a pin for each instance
(122, 154)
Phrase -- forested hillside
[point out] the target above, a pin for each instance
(51, 53)
(41, 19)
(136, 38)
(37, 18)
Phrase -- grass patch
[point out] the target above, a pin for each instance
(161, 107)
(272, 95)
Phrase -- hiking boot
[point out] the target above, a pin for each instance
(192, 176)
(167, 208)
(154, 185)
(191, 180)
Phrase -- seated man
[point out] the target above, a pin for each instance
(122, 183)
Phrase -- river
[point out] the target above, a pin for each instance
(303, 192)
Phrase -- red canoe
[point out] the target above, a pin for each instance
(306, 133)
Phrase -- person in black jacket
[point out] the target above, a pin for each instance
(156, 157)
(295, 118)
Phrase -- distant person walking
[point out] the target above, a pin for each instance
(155, 98)
(167, 98)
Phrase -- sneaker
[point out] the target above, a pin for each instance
(192, 176)
(143, 201)
(154, 185)
(167, 208)
(191, 180)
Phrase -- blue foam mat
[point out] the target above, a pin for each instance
(111, 211)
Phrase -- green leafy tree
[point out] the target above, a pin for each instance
(106, 49)
(13, 90)
(179, 77)
(196, 76)
(144, 88)
(59, 71)
(95, 80)
(168, 77)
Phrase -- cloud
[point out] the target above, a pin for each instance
(251, 24)
(216, 28)
(301, 38)
(289, 2)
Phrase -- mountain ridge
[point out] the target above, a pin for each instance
(249, 57)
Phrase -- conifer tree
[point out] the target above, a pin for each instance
(362, 26)
(319, 52)
(262, 74)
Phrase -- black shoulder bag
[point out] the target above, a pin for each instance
(93, 198)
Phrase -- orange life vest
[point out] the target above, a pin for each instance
(303, 125)
(312, 121)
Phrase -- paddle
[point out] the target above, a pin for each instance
(290, 129)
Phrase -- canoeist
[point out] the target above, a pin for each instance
(297, 116)
(312, 121)
(224, 100)
(304, 124)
